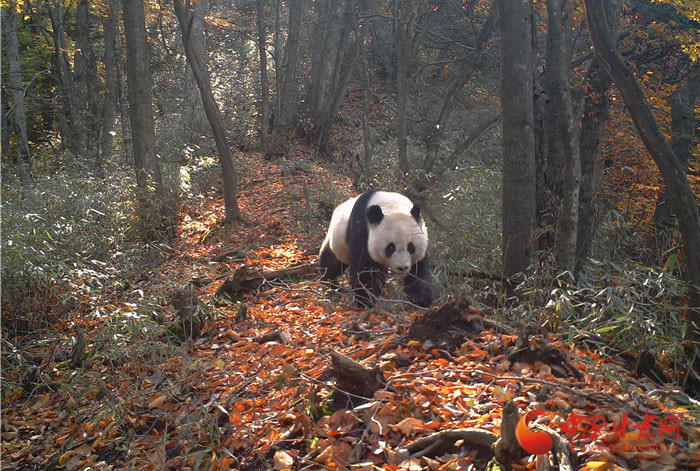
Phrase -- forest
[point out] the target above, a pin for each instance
(169, 173)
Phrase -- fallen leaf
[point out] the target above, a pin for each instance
(158, 401)
(282, 460)
(596, 466)
(410, 426)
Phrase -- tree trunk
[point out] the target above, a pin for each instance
(366, 133)
(385, 52)
(404, 33)
(14, 84)
(139, 80)
(562, 130)
(86, 82)
(317, 52)
(191, 103)
(401, 102)
(330, 65)
(287, 89)
(544, 215)
(518, 138)
(345, 66)
(74, 139)
(264, 85)
(554, 154)
(198, 64)
(5, 133)
(62, 110)
(278, 58)
(683, 124)
(111, 26)
(190, 99)
(595, 114)
(127, 142)
(682, 197)
(79, 120)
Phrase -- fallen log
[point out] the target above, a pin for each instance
(439, 442)
(236, 253)
(245, 280)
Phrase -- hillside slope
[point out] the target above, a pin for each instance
(257, 386)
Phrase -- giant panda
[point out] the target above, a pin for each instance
(373, 232)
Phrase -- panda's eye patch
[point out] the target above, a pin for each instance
(411, 248)
(390, 249)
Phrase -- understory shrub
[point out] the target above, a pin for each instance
(66, 241)
(618, 306)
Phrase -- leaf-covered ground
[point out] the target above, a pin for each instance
(230, 400)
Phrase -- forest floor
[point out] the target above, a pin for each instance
(257, 389)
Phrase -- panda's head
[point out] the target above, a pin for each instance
(397, 239)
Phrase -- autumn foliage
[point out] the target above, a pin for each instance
(167, 336)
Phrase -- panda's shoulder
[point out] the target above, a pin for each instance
(345, 207)
(390, 201)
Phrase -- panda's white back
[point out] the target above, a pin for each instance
(337, 234)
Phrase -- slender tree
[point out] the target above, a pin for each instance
(335, 52)
(5, 130)
(518, 138)
(405, 17)
(277, 50)
(287, 87)
(140, 81)
(198, 64)
(58, 104)
(74, 140)
(14, 84)
(85, 81)
(109, 108)
(683, 124)
(595, 114)
(366, 164)
(562, 136)
(432, 164)
(673, 173)
(264, 85)
(127, 142)
(192, 102)
(324, 38)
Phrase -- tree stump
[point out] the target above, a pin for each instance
(507, 449)
(355, 382)
(189, 311)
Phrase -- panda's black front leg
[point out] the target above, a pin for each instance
(418, 284)
(366, 279)
(331, 268)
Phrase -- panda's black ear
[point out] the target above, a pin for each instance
(415, 212)
(375, 214)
